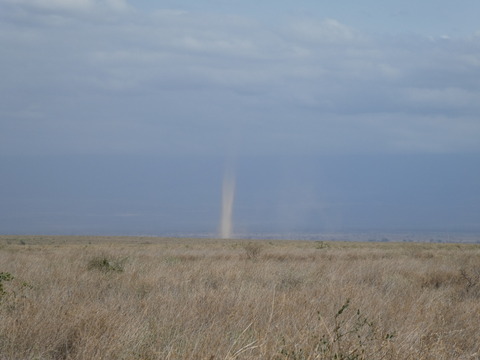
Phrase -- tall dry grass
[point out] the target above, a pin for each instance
(91, 298)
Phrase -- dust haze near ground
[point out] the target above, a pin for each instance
(288, 196)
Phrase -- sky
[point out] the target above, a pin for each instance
(120, 117)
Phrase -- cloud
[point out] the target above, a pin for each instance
(325, 31)
(179, 81)
(443, 99)
(60, 12)
(72, 5)
(119, 5)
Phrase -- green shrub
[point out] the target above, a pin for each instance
(321, 245)
(4, 276)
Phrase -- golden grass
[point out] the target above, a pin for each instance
(152, 298)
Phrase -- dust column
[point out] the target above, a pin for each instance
(228, 196)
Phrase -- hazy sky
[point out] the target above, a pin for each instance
(337, 115)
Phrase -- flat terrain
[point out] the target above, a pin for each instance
(166, 298)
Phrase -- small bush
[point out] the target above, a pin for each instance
(4, 276)
(351, 337)
(321, 245)
(104, 264)
(471, 278)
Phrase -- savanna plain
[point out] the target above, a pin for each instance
(164, 298)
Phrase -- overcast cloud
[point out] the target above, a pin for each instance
(102, 76)
(168, 78)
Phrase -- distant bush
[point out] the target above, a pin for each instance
(104, 264)
(321, 245)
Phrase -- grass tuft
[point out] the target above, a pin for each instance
(252, 250)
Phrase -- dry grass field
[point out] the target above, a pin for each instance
(152, 298)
